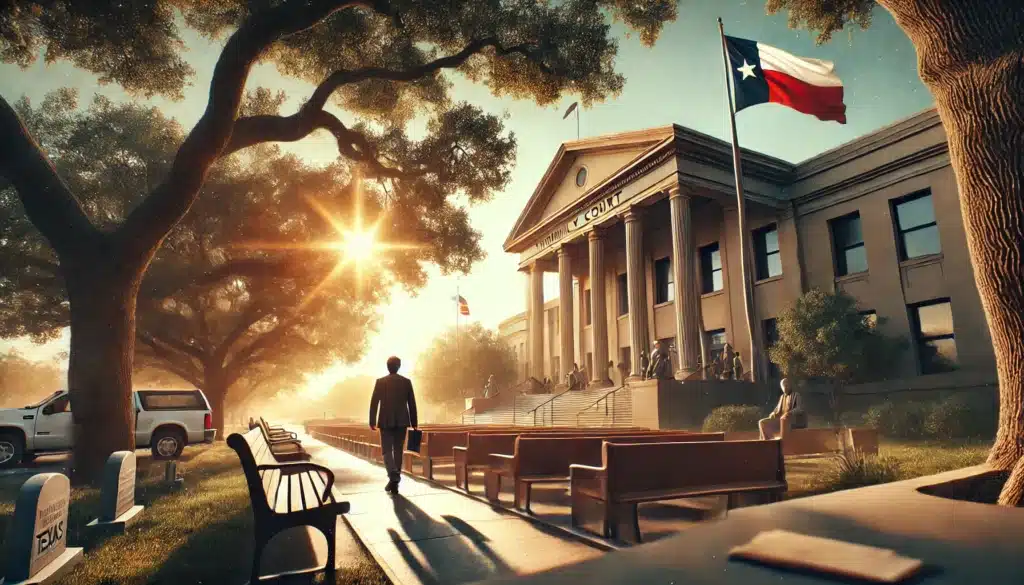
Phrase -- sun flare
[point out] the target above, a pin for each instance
(359, 245)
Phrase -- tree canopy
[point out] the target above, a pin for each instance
(457, 366)
(824, 335)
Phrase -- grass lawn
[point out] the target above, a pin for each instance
(905, 459)
(199, 534)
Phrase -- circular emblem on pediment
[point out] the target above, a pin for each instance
(581, 177)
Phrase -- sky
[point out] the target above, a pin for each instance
(680, 80)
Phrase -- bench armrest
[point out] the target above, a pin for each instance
(305, 467)
(587, 478)
(502, 463)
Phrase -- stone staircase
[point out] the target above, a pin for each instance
(597, 407)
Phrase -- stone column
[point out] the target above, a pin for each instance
(636, 294)
(598, 308)
(535, 322)
(684, 273)
(565, 326)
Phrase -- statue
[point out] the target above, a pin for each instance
(789, 413)
(661, 363)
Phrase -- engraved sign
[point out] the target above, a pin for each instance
(40, 527)
(595, 210)
(117, 493)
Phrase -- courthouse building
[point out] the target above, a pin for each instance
(642, 230)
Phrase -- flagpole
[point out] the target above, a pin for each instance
(577, 123)
(748, 296)
(458, 309)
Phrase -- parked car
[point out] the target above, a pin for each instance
(165, 421)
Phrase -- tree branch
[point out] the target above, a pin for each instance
(173, 344)
(48, 202)
(167, 361)
(249, 317)
(149, 223)
(351, 143)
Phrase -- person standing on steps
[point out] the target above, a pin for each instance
(396, 400)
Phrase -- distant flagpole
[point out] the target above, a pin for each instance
(737, 163)
(574, 107)
(458, 309)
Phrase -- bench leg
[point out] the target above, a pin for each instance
(427, 468)
(587, 510)
(492, 486)
(461, 479)
(624, 522)
(259, 543)
(407, 463)
(522, 501)
(328, 527)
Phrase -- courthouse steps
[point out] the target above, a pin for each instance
(567, 408)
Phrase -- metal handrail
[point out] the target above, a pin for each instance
(604, 397)
(462, 415)
(545, 403)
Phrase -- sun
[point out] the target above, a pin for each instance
(359, 245)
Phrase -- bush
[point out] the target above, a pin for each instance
(899, 420)
(852, 419)
(961, 417)
(734, 417)
(854, 471)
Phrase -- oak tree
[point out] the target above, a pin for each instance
(381, 62)
(458, 363)
(970, 55)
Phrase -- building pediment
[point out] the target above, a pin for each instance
(599, 159)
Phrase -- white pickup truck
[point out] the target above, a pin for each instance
(165, 421)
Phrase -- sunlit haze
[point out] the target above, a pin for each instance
(680, 80)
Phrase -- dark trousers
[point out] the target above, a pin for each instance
(392, 446)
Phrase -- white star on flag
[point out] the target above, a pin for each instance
(747, 70)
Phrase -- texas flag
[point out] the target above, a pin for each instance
(763, 74)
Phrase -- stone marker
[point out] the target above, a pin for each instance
(117, 493)
(37, 551)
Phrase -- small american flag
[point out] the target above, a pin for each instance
(463, 305)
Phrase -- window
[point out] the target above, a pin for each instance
(62, 404)
(663, 289)
(710, 269)
(589, 361)
(933, 333)
(870, 317)
(622, 286)
(587, 317)
(766, 252)
(162, 400)
(625, 358)
(716, 343)
(848, 245)
(771, 337)
(915, 222)
(581, 177)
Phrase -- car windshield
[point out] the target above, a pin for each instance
(44, 400)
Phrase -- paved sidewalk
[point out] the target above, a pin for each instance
(431, 535)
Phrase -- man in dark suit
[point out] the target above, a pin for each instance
(397, 402)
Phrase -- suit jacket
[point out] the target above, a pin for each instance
(794, 405)
(396, 401)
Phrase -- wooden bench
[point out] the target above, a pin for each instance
(437, 445)
(277, 432)
(631, 474)
(547, 459)
(286, 495)
(283, 449)
(475, 455)
(819, 441)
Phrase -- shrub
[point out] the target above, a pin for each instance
(733, 417)
(961, 417)
(852, 419)
(857, 470)
(900, 420)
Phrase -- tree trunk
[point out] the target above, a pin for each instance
(971, 57)
(216, 389)
(102, 292)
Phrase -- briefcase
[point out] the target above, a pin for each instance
(412, 442)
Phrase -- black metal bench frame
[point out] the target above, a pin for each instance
(268, 521)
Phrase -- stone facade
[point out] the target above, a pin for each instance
(878, 217)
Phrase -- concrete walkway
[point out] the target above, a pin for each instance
(431, 535)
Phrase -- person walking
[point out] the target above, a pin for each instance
(394, 396)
